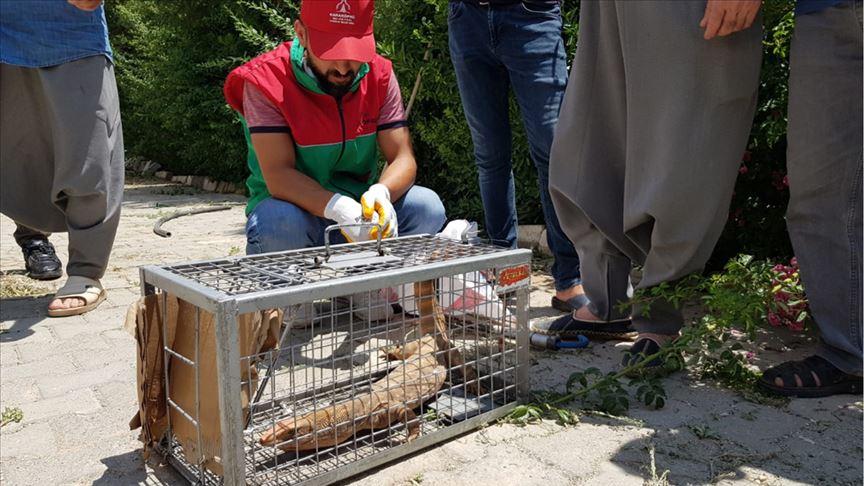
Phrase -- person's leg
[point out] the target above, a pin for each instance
(825, 170)
(587, 160)
(40, 258)
(276, 225)
(26, 152)
(533, 51)
(88, 159)
(690, 106)
(89, 171)
(420, 211)
(64, 148)
(25, 155)
(484, 89)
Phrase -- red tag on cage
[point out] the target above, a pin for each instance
(514, 277)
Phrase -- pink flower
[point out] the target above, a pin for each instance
(743, 169)
(795, 325)
(786, 181)
(777, 180)
(774, 319)
(750, 356)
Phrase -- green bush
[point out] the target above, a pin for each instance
(172, 58)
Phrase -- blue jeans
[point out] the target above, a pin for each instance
(492, 49)
(277, 225)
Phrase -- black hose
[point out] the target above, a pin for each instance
(157, 228)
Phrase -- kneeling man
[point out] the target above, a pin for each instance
(318, 109)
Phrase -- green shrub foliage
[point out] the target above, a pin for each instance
(172, 58)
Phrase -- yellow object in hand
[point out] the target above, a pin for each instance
(376, 201)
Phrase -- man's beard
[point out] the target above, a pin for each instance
(332, 89)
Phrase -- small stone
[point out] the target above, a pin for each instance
(209, 184)
(196, 181)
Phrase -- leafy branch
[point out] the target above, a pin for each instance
(735, 302)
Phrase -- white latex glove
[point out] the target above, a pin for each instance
(344, 210)
(374, 201)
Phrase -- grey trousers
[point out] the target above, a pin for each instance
(61, 156)
(653, 126)
(23, 234)
(825, 171)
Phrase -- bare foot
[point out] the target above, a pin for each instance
(568, 294)
(586, 315)
(67, 303)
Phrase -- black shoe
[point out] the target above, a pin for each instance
(41, 261)
(568, 327)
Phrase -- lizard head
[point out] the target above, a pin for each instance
(289, 434)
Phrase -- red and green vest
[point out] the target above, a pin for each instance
(334, 140)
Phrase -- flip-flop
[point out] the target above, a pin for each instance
(570, 327)
(86, 289)
(570, 305)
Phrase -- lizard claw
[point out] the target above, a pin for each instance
(413, 433)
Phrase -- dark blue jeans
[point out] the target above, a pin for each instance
(494, 48)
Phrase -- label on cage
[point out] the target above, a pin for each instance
(513, 278)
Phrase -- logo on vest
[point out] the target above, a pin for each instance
(342, 15)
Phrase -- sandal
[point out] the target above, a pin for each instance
(570, 305)
(86, 289)
(643, 347)
(570, 327)
(811, 377)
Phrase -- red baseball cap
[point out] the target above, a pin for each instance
(340, 29)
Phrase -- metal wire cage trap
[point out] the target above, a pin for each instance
(384, 349)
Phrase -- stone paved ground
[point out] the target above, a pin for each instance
(73, 379)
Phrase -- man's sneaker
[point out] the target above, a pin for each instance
(41, 260)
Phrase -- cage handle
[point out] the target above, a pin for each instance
(333, 227)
